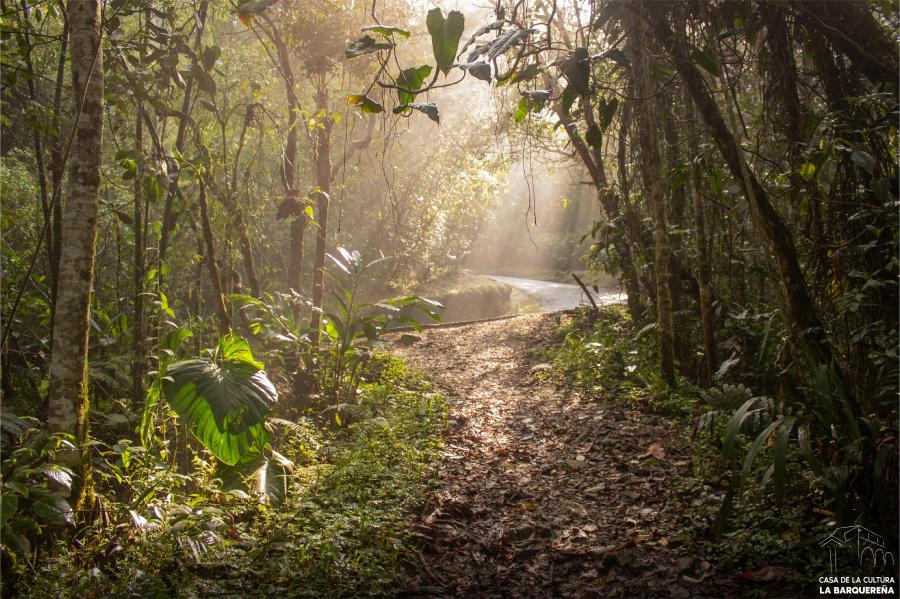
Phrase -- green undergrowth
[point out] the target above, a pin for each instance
(340, 532)
(604, 356)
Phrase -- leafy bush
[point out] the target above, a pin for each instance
(353, 321)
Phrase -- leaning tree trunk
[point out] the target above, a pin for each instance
(647, 113)
(68, 397)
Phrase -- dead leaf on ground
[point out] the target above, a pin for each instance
(654, 451)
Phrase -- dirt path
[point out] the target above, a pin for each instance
(542, 493)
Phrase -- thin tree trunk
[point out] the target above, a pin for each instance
(168, 219)
(219, 299)
(137, 346)
(704, 271)
(323, 181)
(781, 71)
(632, 283)
(68, 397)
(38, 141)
(647, 113)
(297, 214)
(56, 157)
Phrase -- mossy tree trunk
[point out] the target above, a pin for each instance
(68, 398)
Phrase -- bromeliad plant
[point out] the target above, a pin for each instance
(353, 329)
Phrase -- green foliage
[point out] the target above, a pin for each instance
(365, 45)
(445, 35)
(387, 31)
(603, 355)
(224, 399)
(339, 531)
(35, 489)
(410, 81)
(365, 103)
(354, 322)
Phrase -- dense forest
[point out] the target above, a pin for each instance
(225, 224)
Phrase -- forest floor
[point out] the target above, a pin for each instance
(542, 493)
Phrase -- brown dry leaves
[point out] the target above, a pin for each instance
(544, 493)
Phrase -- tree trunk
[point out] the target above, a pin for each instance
(137, 346)
(219, 299)
(807, 331)
(647, 113)
(632, 283)
(782, 75)
(850, 27)
(56, 157)
(168, 219)
(704, 272)
(68, 396)
(297, 215)
(323, 181)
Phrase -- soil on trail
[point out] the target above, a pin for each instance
(543, 493)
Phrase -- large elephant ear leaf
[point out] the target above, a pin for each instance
(224, 402)
(445, 34)
(270, 479)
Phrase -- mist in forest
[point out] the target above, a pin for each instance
(536, 227)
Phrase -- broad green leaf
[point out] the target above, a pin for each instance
(365, 103)
(479, 70)
(224, 401)
(808, 170)
(235, 347)
(429, 108)
(445, 34)
(53, 509)
(365, 45)
(210, 55)
(9, 505)
(780, 455)
(577, 69)
(521, 110)
(411, 80)
(205, 82)
(594, 137)
(386, 31)
(863, 160)
(568, 99)
(606, 109)
(270, 479)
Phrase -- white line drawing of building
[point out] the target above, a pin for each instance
(871, 548)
